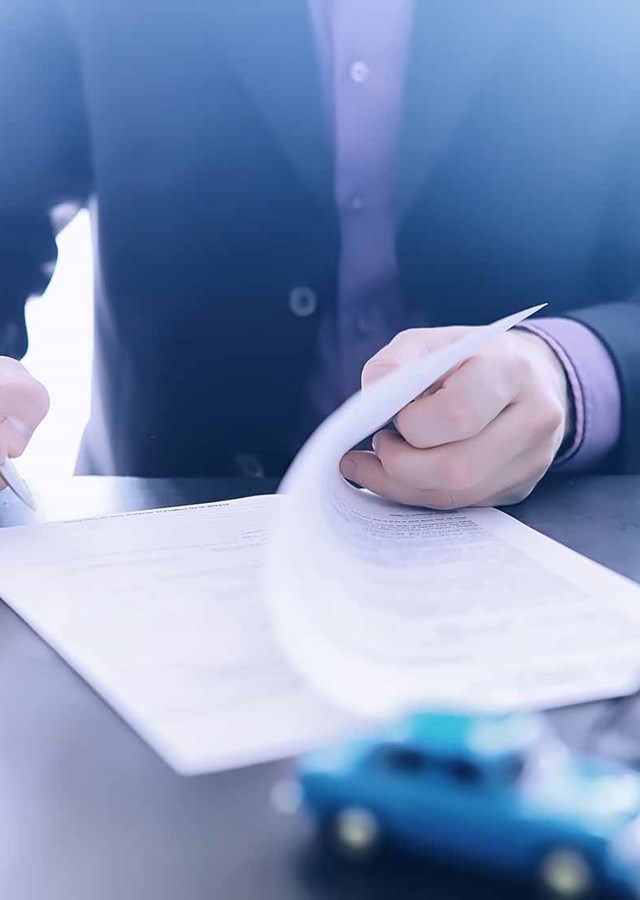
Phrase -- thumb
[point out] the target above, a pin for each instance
(406, 347)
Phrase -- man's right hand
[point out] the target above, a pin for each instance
(24, 403)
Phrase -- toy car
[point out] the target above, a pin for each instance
(499, 791)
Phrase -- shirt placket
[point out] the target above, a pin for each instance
(369, 55)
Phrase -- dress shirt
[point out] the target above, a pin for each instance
(363, 47)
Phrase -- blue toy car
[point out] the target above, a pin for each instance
(498, 791)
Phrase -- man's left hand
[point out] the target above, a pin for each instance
(482, 436)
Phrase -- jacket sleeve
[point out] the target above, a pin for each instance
(44, 155)
(618, 327)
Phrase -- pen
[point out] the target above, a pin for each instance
(10, 474)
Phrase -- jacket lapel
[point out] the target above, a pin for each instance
(453, 46)
(272, 47)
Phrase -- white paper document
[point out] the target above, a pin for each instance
(238, 632)
(163, 613)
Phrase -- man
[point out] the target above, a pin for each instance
(279, 189)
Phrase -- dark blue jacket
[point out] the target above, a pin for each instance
(195, 132)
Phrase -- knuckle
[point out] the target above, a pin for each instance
(554, 415)
(390, 465)
(410, 336)
(384, 449)
(410, 422)
(404, 344)
(542, 463)
(41, 398)
(521, 367)
(548, 418)
(14, 377)
(394, 464)
(394, 350)
(461, 419)
(370, 364)
(378, 365)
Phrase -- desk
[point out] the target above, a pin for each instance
(89, 812)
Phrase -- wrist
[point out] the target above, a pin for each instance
(559, 379)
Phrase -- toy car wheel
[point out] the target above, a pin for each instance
(565, 873)
(354, 832)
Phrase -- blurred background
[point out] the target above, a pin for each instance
(60, 326)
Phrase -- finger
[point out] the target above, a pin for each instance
(406, 347)
(24, 402)
(364, 468)
(14, 437)
(509, 484)
(470, 471)
(461, 465)
(470, 398)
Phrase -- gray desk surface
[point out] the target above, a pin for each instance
(88, 812)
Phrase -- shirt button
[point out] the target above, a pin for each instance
(303, 302)
(359, 71)
(356, 203)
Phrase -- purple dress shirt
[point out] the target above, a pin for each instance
(362, 46)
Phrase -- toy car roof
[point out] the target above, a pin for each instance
(480, 736)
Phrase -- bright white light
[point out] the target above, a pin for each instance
(60, 328)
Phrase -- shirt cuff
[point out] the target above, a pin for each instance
(594, 385)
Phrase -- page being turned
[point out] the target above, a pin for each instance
(383, 607)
